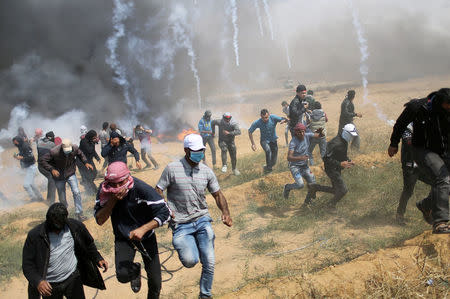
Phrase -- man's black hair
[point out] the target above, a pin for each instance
(317, 105)
(284, 103)
(351, 94)
(50, 135)
(56, 217)
(105, 125)
(264, 111)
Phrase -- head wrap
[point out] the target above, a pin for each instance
(115, 173)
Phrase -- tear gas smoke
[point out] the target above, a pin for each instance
(58, 68)
(258, 16)
(288, 58)
(234, 19)
(269, 17)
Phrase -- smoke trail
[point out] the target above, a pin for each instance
(287, 51)
(258, 16)
(363, 67)
(122, 11)
(182, 35)
(363, 49)
(269, 17)
(236, 29)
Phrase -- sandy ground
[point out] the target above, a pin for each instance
(234, 263)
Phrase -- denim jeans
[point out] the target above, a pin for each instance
(194, 241)
(73, 183)
(231, 148)
(28, 183)
(271, 150)
(322, 142)
(298, 173)
(210, 141)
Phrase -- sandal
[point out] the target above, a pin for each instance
(441, 228)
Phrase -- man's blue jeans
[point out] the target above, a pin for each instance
(271, 150)
(322, 142)
(73, 183)
(194, 241)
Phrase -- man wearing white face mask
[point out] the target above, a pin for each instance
(335, 160)
(186, 182)
(60, 161)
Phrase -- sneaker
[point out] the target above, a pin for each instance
(266, 170)
(286, 192)
(426, 213)
(136, 283)
(236, 172)
(224, 168)
(80, 217)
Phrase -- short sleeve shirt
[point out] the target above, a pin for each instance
(186, 187)
(103, 136)
(300, 148)
(267, 129)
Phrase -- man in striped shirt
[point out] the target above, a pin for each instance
(186, 181)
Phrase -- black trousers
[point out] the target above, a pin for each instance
(338, 187)
(230, 147)
(210, 141)
(436, 168)
(51, 187)
(88, 176)
(127, 270)
(71, 288)
(410, 177)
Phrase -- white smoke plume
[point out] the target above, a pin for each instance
(258, 16)
(286, 46)
(234, 20)
(269, 17)
(122, 11)
(182, 33)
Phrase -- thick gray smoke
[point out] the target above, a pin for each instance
(54, 54)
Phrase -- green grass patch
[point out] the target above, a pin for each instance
(10, 259)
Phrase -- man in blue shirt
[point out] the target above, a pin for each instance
(298, 155)
(205, 130)
(267, 124)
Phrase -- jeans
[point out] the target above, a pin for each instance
(410, 177)
(322, 142)
(298, 173)
(212, 146)
(437, 169)
(71, 288)
(286, 134)
(194, 241)
(73, 183)
(51, 187)
(271, 150)
(127, 270)
(28, 183)
(230, 147)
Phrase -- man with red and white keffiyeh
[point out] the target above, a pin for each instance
(136, 209)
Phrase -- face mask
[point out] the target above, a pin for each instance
(67, 152)
(196, 157)
(347, 136)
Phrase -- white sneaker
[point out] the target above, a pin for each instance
(224, 168)
(236, 172)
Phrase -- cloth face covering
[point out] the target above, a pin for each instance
(196, 157)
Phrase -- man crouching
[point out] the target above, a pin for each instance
(59, 256)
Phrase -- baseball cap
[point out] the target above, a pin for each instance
(227, 115)
(193, 142)
(351, 129)
(66, 144)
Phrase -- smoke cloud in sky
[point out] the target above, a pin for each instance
(53, 53)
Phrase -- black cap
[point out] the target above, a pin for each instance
(301, 87)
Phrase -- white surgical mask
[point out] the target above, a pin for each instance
(67, 151)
